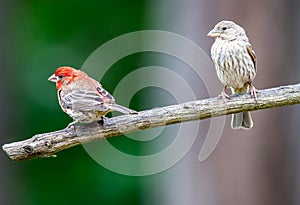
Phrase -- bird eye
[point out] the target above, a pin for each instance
(224, 28)
(60, 76)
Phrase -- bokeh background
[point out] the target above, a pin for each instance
(260, 166)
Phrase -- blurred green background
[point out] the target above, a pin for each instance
(41, 36)
(261, 166)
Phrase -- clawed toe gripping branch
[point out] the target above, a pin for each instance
(47, 144)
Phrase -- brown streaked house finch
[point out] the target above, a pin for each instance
(82, 97)
(235, 63)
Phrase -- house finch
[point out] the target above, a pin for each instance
(82, 97)
(235, 63)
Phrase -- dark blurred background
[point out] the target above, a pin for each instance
(260, 166)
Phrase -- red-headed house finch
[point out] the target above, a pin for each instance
(235, 63)
(82, 97)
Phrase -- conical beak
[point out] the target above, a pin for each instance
(53, 78)
(213, 34)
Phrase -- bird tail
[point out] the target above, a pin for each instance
(243, 119)
(121, 109)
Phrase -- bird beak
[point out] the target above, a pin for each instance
(213, 34)
(53, 78)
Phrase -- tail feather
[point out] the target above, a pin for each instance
(247, 120)
(121, 109)
(237, 121)
(242, 120)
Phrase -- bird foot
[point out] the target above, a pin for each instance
(102, 120)
(224, 95)
(72, 124)
(133, 112)
(253, 92)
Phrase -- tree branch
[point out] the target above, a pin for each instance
(46, 144)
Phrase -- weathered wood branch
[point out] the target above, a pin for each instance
(46, 144)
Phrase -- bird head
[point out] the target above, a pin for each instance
(63, 76)
(228, 30)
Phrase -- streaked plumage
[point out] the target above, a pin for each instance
(83, 98)
(235, 63)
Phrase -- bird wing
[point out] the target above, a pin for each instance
(86, 99)
(252, 55)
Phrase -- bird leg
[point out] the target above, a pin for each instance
(223, 94)
(253, 91)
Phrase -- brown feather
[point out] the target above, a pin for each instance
(252, 55)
